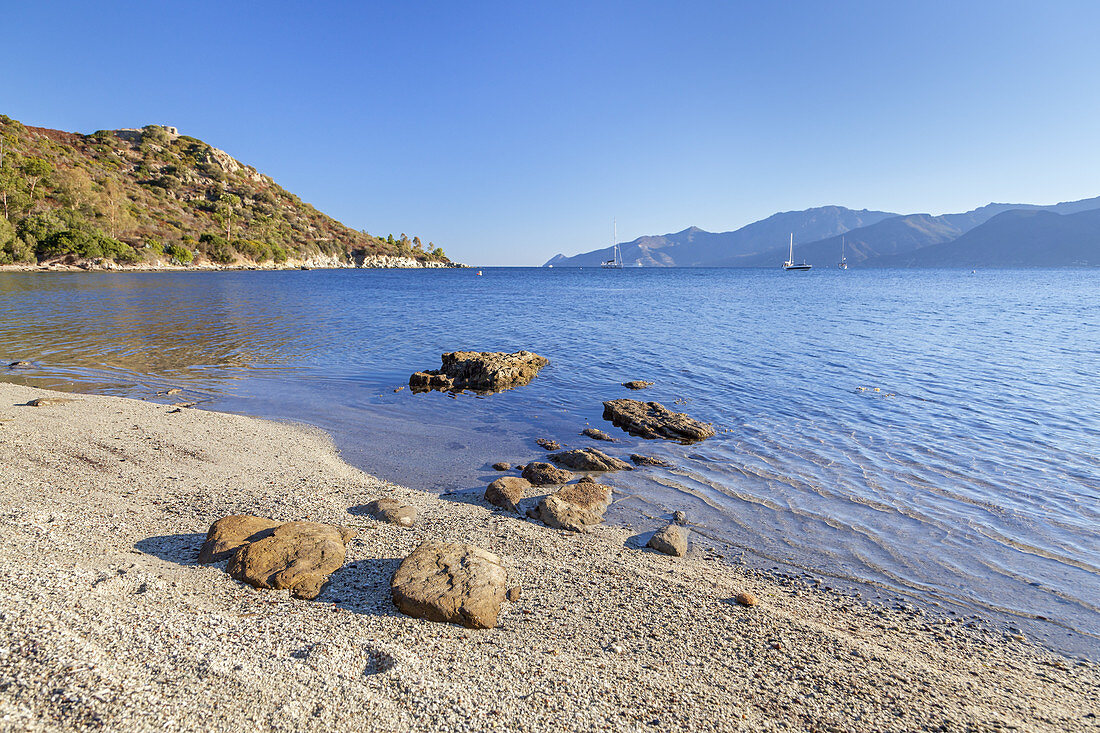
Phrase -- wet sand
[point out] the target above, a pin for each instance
(107, 621)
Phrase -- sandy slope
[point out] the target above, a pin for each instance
(106, 620)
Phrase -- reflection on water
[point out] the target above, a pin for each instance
(971, 477)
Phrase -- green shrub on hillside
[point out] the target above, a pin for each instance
(179, 253)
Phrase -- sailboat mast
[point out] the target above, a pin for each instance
(790, 255)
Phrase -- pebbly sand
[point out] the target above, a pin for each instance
(106, 620)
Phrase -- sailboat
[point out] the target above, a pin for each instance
(843, 264)
(616, 263)
(790, 264)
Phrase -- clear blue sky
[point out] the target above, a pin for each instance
(508, 132)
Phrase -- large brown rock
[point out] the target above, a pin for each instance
(480, 371)
(297, 555)
(545, 474)
(451, 582)
(507, 492)
(672, 540)
(589, 459)
(654, 420)
(637, 384)
(230, 533)
(575, 507)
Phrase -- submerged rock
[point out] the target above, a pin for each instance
(679, 516)
(672, 540)
(19, 365)
(637, 384)
(502, 466)
(589, 459)
(575, 507)
(298, 556)
(480, 371)
(451, 582)
(654, 420)
(229, 534)
(597, 434)
(640, 460)
(547, 444)
(544, 474)
(507, 492)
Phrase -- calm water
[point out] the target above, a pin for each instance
(972, 479)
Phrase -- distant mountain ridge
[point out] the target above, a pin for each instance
(873, 239)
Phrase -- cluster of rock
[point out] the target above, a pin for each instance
(457, 582)
(296, 556)
(480, 371)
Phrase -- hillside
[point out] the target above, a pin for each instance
(153, 196)
(1016, 238)
(694, 247)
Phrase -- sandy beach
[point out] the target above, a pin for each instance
(107, 621)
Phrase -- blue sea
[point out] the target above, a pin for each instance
(929, 434)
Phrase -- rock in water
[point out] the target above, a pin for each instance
(589, 459)
(547, 444)
(507, 492)
(19, 365)
(480, 371)
(230, 533)
(574, 507)
(451, 582)
(654, 420)
(679, 516)
(597, 434)
(672, 540)
(544, 474)
(502, 466)
(640, 460)
(298, 555)
(392, 511)
(637, 384)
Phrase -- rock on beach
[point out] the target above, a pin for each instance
(576, 507)
(298, 556)
(672, 540)
(654, 420)
(480, 371)
(452, 582)
(392, 511)
(229, 534)
(507, 492)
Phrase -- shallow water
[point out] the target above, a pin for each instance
(971, 479)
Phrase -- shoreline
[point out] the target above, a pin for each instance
(108, 620)
(373, 262)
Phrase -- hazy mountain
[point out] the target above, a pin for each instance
(694, 247)
(1016, 238)
(871, 239)
(889, 236)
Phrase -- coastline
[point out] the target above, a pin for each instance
(316, 263)
(108, 621)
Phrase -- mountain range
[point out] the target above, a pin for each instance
(995, 235)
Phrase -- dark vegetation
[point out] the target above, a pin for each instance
(134, 196)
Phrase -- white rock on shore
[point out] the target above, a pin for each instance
(108, 622)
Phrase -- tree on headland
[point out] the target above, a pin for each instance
(224, 209)
(35, 169)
